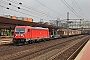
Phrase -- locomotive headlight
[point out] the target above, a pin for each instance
(22, 35)
(16, 35)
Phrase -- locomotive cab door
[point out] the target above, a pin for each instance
(28, 33)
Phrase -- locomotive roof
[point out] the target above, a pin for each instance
(38, 28)
(31, 27)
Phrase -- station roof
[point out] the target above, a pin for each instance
(11, 23)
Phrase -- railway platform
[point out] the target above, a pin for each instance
(84, 53)
(5, 40)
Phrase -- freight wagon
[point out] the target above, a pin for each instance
(66, 32)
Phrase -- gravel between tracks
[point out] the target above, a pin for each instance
(59, 50)
(66, 54)
(30, 49)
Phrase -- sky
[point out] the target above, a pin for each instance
(46, 10)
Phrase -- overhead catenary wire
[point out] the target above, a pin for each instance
(16, 7)
(79, 9)
(48, 8)
(6, 13)
(75, 13)
(18, 11)
(35, 11)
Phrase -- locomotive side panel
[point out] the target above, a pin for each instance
(39, 33)
(45, 33)
(35, 33)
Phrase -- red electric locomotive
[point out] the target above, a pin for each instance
(24, 34)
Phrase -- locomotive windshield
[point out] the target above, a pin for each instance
(20, 30)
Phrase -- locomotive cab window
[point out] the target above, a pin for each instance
(20, 30)
(28, 30)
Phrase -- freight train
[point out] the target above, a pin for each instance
(28, 34)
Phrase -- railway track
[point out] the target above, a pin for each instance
(36, 50)
(75, 53)
(69, 52)
(55, 52)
